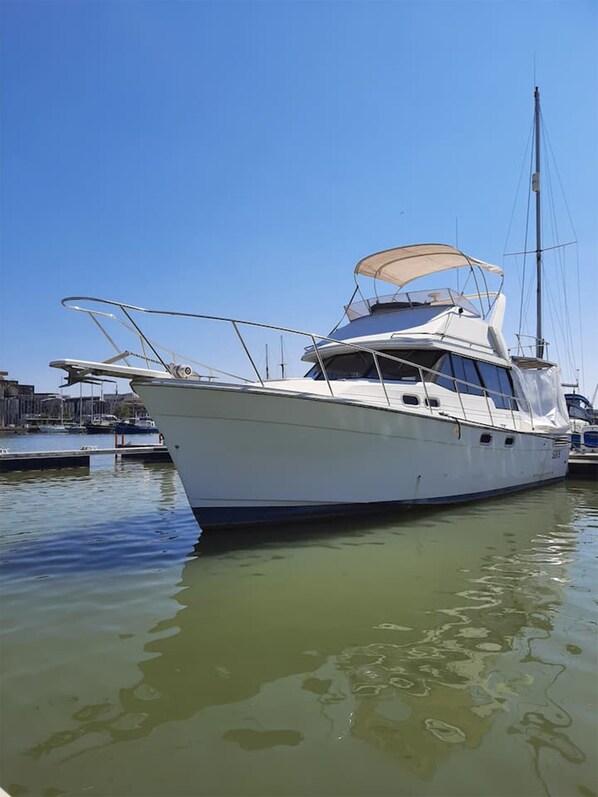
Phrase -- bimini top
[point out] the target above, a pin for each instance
(402, 265)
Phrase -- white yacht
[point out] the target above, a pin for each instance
(414, 399)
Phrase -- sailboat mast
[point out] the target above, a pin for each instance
(536, 190)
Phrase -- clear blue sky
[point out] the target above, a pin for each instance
(239, 158)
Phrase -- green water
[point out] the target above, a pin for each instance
(446, 652)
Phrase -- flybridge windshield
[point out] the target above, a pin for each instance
(443, 297)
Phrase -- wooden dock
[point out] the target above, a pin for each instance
(80, 458)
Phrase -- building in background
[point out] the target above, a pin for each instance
(22, 407)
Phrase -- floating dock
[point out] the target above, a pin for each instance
(583, 465)
(45, 460)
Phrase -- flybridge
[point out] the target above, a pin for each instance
(439, 299)
(407, 263)
(404, 264)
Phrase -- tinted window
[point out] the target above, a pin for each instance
(468, 368)
(451, 365)
(459, 371)
(354, 365)
(506, 384)
(445, 369)
(494, 383)
(401, 372)
(360, 365)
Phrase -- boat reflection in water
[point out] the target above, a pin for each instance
(412, 640)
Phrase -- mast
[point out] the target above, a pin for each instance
(536, 190)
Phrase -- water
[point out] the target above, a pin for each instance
(446, 652)
(70, 442)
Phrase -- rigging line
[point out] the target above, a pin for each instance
(528, 296)
(550, 308)
(523, 162)
(582, 371)
(570, 217)
(529, 198)
(557, 323)
(558, 174)
(566, 326)
(560, 260)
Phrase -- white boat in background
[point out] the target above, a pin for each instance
(137, 425)
(102, 423)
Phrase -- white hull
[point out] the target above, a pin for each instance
(251, 454)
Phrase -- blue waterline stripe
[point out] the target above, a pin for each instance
(221, 517)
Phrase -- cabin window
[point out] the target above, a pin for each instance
(465, 369)
(485, 439)
(498, 381)
(461, 368)
(360, 365)
(432, 402)
(506, 382)
(510, 441)
(413, 400)
(445, 373)
(354, 365)
(403, 372)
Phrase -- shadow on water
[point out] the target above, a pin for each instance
(330, 532)
(411, 636)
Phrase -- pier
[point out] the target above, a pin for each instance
(79, 458)
(583, 465)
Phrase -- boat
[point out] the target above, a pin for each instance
(52, 428)
(101, 424)
(141, 425)
(412, 399)
(581, 414)
(76, 428)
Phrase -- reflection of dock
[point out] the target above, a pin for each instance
(44, 460)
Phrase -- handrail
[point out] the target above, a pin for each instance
(235, 322)
(520, 348)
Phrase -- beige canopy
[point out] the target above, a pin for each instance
(400, 266)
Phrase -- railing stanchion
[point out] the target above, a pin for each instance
(380, 377)
(423, 381)
(458, 386)
(257, 373)
(488, 405)
(321, 363)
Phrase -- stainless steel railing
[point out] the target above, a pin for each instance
(462, 386)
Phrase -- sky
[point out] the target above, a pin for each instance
(238, 158)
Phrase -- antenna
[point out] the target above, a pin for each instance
(267, 364)
(281, 359)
